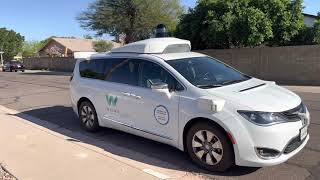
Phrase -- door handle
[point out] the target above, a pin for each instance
(136, 96)
(131, 95)
(126, 94)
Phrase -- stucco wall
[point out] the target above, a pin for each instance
(287, 65)
(53, 64)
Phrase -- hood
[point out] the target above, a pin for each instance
(258, 95)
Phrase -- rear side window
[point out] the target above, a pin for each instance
(92, 69)
(114, 70)
(123, 71)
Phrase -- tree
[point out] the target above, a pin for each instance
(134, 18)
(305, 36)
(286, 18)
(102, 46)
(317, 31)
(228, 23)
(10, 43)
(87, 36)
(31, 48)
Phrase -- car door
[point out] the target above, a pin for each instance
(119, 76)
(155, 113)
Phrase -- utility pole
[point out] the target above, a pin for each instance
(1, 58)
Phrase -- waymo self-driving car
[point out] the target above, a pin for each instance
(159, 89)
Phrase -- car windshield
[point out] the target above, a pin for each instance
(206, 72)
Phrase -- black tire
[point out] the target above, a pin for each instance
(10, 70)
(89, 121)
(22, 70)
(227, 154)
(15, 70)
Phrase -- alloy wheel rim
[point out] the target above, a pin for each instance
(207, 147)
(87, 116)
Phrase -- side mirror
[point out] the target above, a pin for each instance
(160, 87)
(157, 84)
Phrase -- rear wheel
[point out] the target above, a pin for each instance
(88, 117)
(209, 147)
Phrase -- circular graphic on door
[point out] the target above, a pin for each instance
(161, 114)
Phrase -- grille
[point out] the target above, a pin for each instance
(293, 145)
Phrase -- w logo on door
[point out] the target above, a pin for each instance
(111, 100)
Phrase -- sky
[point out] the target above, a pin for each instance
(39, 19)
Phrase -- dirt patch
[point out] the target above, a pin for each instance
(5, 175)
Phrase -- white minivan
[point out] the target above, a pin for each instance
(160, 90)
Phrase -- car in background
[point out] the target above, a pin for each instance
(13, 66)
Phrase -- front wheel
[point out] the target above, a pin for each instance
(88, 117)
(209, 147)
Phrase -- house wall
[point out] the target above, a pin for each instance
(286, 65)
(54, 49)
(309, 21)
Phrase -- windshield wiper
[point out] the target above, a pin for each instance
(232, 82)
(207, 86)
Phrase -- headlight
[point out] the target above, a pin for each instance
(263, 118)
(303, 108)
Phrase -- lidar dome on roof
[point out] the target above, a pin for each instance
(156, 46)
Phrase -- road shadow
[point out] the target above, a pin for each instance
(63, 120)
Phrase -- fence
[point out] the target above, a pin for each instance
(53, 64)
(286, 65)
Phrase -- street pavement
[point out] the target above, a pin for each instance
(45, 95)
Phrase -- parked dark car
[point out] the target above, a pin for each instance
(13, 66)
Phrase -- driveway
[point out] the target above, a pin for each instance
(45, 95)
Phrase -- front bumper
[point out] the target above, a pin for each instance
(284, 138)
(259, 162)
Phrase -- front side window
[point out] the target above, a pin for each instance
(152, 72)
(206, 72)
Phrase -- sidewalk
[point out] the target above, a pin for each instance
(32, 152)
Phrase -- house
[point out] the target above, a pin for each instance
(67, 47)
(309, 19)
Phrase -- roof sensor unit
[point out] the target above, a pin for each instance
(156, 46)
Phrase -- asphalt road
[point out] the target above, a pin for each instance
(45, 95)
